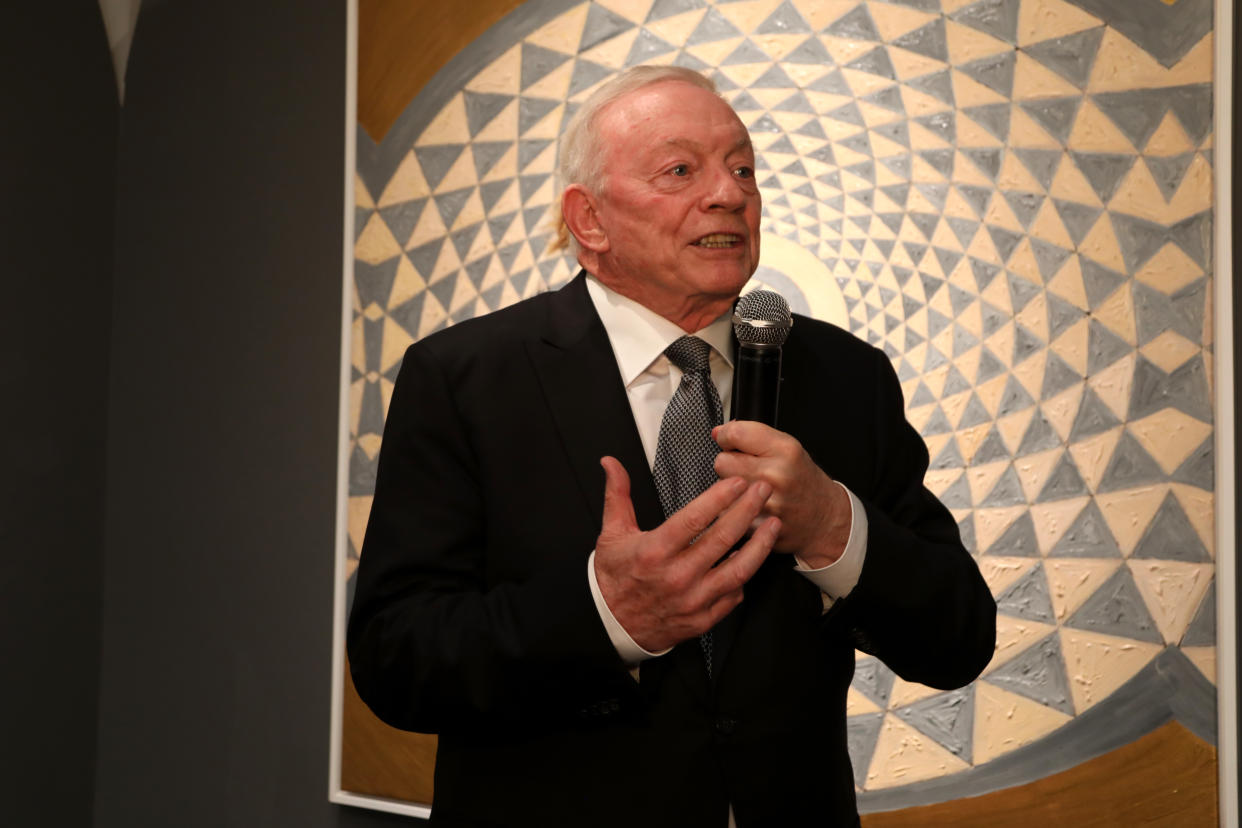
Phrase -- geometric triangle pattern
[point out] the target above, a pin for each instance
(1013, 199)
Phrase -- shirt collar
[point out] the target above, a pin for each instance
(639, 335)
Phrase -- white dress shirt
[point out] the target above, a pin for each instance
(639, 337)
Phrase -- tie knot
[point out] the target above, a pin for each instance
(689, 353)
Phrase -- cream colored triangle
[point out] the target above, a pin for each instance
(1121, 65)
(1117, 314)
(1005, 721)
(715, 52)
(919, 103)
(376, 243)
(1033, 80)
(508, 296)
(893, 21)
(406, 284)
(904, 755)
(969, 92)
(1092, 454)
(503, 76)
(805, 74)
(1112, 385)
(1069, 184)
(1034, 317)
(548, 127)
(1052, 520)
(635, 11)
(991, 391)
(1100, 245)
(1169, 351)
(1169, 436)
(1095, 132)
(393, 345)
(1139, 195)
(546, 194)
(1030, 373)
(745, 74)
(1072, 581)
(1048, 227)
(1013, 637)
(969, 439)
(449, 126)
(819, 13)
(1068, 284)
(1172, 591)
(1194, 194)
(1169, 270)
(563, 33)
(430, 227)
(857, 704)
(843, 50)
(1035, 469)
(1022, 260)
(909, 692)
(778, 45)
(1199, 509)
(1203, 658)
(614, 51)
(1169, 138)
(991, 523)
(462, 174)
(1011, 427)
(1000, 214)
(1061, 409)
(471, 213)
(407, 183)
(1098, 664)
(448, 263)
(907, 65)
(747, 16)
(1128, 513)
(966, 44)
(362, 198)
(1040, 20)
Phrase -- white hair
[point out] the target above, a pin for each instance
(580, 158)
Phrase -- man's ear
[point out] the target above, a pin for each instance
(582, 219)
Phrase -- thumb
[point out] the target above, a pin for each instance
(618, 508)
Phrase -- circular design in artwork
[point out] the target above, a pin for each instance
(978, 189)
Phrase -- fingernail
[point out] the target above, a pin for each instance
(737, 484)
(764, 489)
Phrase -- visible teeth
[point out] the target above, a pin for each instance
(719, 240)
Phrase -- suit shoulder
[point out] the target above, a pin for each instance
(819, 335)
(495, 333)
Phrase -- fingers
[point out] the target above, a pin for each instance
(733, 573)
(618, 508)
(746, 436)
(693, 519)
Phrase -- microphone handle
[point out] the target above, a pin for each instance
(757, 383)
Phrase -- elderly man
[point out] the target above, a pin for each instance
(670, 642)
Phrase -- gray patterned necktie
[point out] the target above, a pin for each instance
(686, 453)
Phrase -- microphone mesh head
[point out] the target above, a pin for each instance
(762, 318)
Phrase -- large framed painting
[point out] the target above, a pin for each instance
(1018, 201)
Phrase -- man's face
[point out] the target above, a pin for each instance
(678, 201)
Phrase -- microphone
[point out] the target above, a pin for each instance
(761, 322)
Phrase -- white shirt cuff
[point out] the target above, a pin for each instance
(838, 578)
(626, 647)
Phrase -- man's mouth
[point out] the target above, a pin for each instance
(719, 240)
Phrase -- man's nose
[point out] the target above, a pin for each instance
(723, 191)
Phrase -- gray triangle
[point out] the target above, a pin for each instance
(586, 74)
(486, 154)
(937, 423)
(941, 160)
(1071, 56)
(949, 457)
(1038, 673)
(898, 131)
(963, 229)
(991, 449)
(832, 83)
(1039, 436)
(1093, 417)
(977, 197)
(1042, 163)
(425, 256)
(529, 150)
(1139, 239)
(995, 72)
(998, 18)
(482, 107)
(957, 496)
(946, 718)
(1056, 115)
(409, 314)
(362, 473)
(874, 680)
(984, 272)
(785, 20)
(848, 113)
(936, 322)
(855, 24)
(464, 238)
(811, 51)
(1027, 598)
(402, 218)
(1193, 235)
(929, 40)
(1025, 206)
(444, 289)
(1006, 492)
(1170, 537)
(959, 299)
(1025, 344)
(861, 734)
(1061, 315)
(966, 529)
(948, 259)
(875, 62)
(938, 84)
(689, 61)
(601, 25)
(1064, 482)
(648, 46)
(1015, 399)
(437, 161)
(1058, 376)
(1099, 281)
(1186, 389)
(1021, 290)
(374, 282)
(992, 117)
(713, 27)
(537, 62)
(1116, 608)
(889, 99)
(1103, 347)
(477, 270)
(450, 204)
(974, 413)
(1136, 113)
(941, 124)
(933, 359)
(1077, 218)
(774, 78)
(532, 110)
(1087, 537)
(1103, 170)
(1130, 466)
(1193, 106)
(989, 366)
(921, 5)
(1199, 469)
(1049, 257)
(509, 253)
(1169, 172)
(361, 216)
(667, 8)
(743, 101)
(987, 160)
(1155, 313)
(1202, 629)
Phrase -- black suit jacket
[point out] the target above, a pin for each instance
(473, 619)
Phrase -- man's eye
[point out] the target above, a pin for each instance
(744, 172)
(680, 170)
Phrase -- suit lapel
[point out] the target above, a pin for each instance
(580, 380)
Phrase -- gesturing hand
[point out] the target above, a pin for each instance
(663, 586)
(814, 510)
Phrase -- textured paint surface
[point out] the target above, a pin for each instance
(1012, 198)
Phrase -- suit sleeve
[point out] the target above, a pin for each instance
(434, 644)
(920, 604)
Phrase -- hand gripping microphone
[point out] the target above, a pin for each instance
(761, 322)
